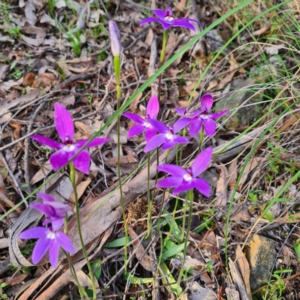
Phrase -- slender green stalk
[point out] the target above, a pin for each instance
(163, 49)
(201, 138)
(117, 67)
(190, 196)
(91, 275)
(72, 270)
(149, 223)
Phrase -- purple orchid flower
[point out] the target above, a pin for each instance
(65, 128)
(143, 125)
(55, 211)
(166, 19)
(49, 239)
(186, 179)
(166, 137)
(199, 117)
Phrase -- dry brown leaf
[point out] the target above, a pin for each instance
(83, 128)
(149, 38)
(172, 40)
(243, 268)
(9, 203)
(252, 165)
(236, 276)
(17, 129)
(45, 80)
(134, 104)
(28, 79)
(42, 173)
(81, 187)
(140, 253)
(232, 70)
(222, 184)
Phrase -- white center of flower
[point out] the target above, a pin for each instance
(51, 235)
(169, 19)
(187, 177)
(69, 148)
(147, 124)
(169, 135)
(204, 117)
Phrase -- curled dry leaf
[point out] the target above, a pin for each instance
(140, 252)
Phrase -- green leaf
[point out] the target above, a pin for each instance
(118, 243)
(173, 251)
(97, 270)
(297, 250)
(169, 281)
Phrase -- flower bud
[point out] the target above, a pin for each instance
(115, 40)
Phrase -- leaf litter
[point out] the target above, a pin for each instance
(61, 54)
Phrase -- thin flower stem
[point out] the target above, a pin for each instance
(190, 196)
(161, 60)
(91, 275)
(117, 67)
(72, 270)
(164, 44)
(201, 138)
(149, 223)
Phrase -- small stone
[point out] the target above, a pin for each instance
(260, 254)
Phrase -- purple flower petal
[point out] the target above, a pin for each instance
(202, 161)
(57, 224)
(94, 143)
(173, 170)
(135, 130)
(115, 40)
(45, 209)
(59, 159)
(169, 182)
(161, 127)
(63, 123)
(65, 242)
(82, 162)
(40, 249)
(149, 20)
(164, 24)
(134, 117)
(202, 186)
(207, 101)
(150, 133)
(183, 23)
(54, 252)
(190, 20)
(34, 233)
(209, 126)
(155, 142)
(181, 111)
(181, 123)
(218, 114)
(45, 197)
(168, 145)
(183, 188)
(195, 126)
(153, 107)
(46, 141)
(160, 13)
(180, 139)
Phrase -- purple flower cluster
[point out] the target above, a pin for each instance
(50, 238)
(158, 134)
